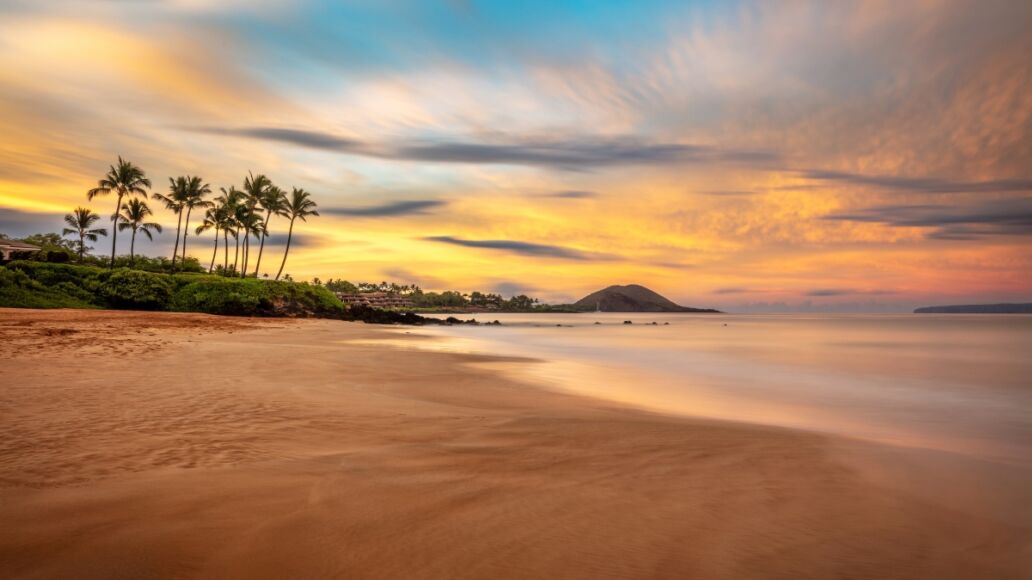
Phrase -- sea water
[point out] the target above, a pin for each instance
(956, 383)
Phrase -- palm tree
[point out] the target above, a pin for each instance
(123, 179)
(133, 213)
(229, 201)
(174, 202)
(240, 218)
(80, 222)
(255, 189)
(273, 200)
(300, 205)
(250, 225)
(193, 197)
(214, 218)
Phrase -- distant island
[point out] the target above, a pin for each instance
(1025, 308)
(631, 298)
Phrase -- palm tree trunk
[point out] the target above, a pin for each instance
(247, 253)
(132, 250)
(214, 252)
(290, 234)
(82, 244)
(186, 232)
(179, 227)
(114, 230)
(261, 247)
(236, 254)
(225, 251)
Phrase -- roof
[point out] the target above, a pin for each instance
(16, 245)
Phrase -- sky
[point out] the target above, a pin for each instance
(749, 156)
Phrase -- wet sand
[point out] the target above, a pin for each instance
(156, 445)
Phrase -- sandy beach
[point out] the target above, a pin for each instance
(159, 445)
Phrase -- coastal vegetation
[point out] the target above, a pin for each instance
(419, 300)
(80, 223)
(238, 213)
(38, 284)
(50, 279)
(34, 284)
(133, 214)
(123, 179)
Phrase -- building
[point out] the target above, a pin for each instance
(12, 250)
(376, 299)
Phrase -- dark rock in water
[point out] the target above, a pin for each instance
(631, 298)
(627, 322)
(597, 322)
(370, 315)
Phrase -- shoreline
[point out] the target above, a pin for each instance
(168, 444)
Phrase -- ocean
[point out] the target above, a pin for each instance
(955, 383)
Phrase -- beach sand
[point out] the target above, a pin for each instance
(158, 445)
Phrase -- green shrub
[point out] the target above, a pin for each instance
(304, 299)
(160, 264)
(51, 274)
(137, 290)
(223, 296)
(181, 279)
(77, 292)
(251, 297)
(33, 284)
(18, 290)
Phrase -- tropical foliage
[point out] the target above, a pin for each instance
(133, 214)
(80, 223)
(123, 179)
(241, 214)
(299, 206)
(44, 285)
(448, 299)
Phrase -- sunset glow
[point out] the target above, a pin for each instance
(745, 156)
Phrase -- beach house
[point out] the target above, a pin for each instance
(376, 299)
(14, 250)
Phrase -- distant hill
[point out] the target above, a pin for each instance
(1025, 308)
(631, 298)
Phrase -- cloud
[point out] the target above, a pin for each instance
(728, 192)
(299, 240)
(313, 139)
(990, 218)
(17, 224)
(571, 194)
(399, 208)
(574, 153)
(733, 290)
(922, 184)
(523, 248)
(422, 280)
(824, 292)
(509, 288)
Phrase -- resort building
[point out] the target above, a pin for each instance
(12, 250)
(376, 299)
